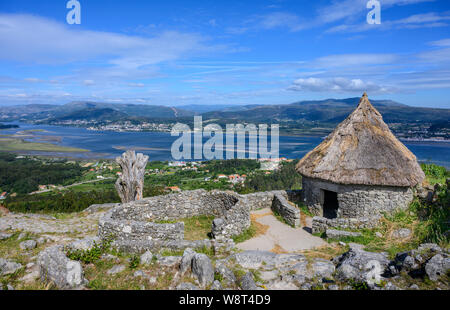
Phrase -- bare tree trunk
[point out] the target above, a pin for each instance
(130, 184)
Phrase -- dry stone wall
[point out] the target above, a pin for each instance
(289, 212)
(150, 223)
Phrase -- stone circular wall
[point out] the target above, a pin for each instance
(138, 223)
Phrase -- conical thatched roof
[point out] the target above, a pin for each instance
(362, 150)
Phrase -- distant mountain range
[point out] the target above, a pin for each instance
(329, 111)
(94, 111)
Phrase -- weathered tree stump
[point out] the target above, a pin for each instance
(130, 184)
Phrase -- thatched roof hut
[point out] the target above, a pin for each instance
(362, 150)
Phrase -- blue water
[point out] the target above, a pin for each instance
(157, 144)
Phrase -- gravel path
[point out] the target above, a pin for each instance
(280, 237)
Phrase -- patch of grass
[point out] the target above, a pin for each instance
(134, 262)
(434, 173)
(209, 251)
(91, 255)
(197, 228)
(167, 252)
(327, 252)
(360, 286)
(303, 208)
(251, 232)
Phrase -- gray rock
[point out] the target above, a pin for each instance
(378, 234)
(282, 285)
(347, 272)
(216, 286)
(306, 287)
(437, 266)
(356, 264)
(401, 233)
(146, 258)
(301, 268)
(356, 246)
(297, 279)
(257, 259)
(169, 261)
(409, 263)
(28, 245)
(85, 244)
(226, 274)
(8, 267)
(390, 287)
(268, 275)
(336, 234)
(4, 236)
(322, 268)
(186, 260)
(139, 274)
(202, 268)
(429, 247)
(10, 287)
(185, 286)
(41, 240)
(248, 283)
(21, 236)
(54, 266)
(414, 287)
(116, 269)
(254, 259)
(333, 287)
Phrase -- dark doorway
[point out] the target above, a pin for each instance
(330, 204)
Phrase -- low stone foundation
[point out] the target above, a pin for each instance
(138, 226)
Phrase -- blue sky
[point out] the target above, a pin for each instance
(224, 52)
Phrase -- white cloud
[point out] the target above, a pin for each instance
(337, 85)
(352, 60)
(281, 20)
(441, 43)
(57, 43)
(426, 20)
(351, 9)
(269, 21)
(88, 82)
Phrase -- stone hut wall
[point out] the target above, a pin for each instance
(356, 201)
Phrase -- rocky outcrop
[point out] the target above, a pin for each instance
(202, 268)
(428, 260)
(130, 184)
(55, 267)
(28, 245)
(8, 267)
(359, 265)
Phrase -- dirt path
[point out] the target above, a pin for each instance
(280, 237)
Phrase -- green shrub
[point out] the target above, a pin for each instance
(91, 255)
